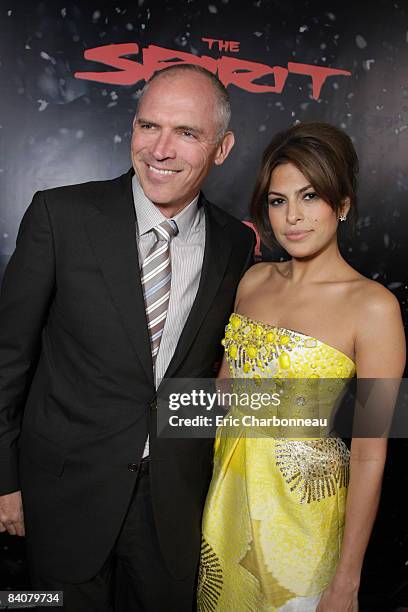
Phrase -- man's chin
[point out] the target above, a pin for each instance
(161, 195)
(158, 196)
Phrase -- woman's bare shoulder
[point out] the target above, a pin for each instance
(379, 337)
(373, 301)
(258, 274)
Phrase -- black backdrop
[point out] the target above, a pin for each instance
(58, 128)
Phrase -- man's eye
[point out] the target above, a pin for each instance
(146, 126)
(188, 134)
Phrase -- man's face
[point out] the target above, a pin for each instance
(174, 142)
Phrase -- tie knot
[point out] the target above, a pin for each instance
(166, 230)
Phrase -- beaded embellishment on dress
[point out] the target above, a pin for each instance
(313, 468)
(209, 578)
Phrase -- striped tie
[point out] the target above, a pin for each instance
(156, 280)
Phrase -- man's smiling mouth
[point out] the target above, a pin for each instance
(162, 171)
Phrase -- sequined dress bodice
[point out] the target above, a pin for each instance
(256, 350)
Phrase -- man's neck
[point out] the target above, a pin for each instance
(171, 210)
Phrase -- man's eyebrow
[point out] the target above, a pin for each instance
(185, 128)
(141, 121)
(190, 128)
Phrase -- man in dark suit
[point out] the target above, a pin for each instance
(113, 286)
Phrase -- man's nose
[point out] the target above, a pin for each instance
(294, 212)
(163, 146)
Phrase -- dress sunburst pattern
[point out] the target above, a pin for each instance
(315, 468)
(209, 579)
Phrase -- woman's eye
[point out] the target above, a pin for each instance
(276, 202)
(311, 196)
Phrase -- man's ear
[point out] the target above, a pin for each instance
(224, 148)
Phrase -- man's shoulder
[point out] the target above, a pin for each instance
(85, 190)
(81, 201)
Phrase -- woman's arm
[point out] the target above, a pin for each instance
(380, 353)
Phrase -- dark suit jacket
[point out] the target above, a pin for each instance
(75, 366)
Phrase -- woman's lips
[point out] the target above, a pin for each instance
(297, 235)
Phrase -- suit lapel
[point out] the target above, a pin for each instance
(216, 257)
(112, 234)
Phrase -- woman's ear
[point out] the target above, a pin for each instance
(345, 207)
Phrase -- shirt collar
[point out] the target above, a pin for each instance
(149, 216)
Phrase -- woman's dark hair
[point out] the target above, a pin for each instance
(327, 158)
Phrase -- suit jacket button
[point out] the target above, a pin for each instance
(153, 405)
(133, 467)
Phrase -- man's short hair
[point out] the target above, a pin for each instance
(221, 94)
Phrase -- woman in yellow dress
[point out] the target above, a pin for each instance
(287, 521)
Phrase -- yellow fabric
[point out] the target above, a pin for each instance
(274, 516)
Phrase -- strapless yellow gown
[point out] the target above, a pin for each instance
(274, 516)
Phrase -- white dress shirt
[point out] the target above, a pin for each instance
(186, 253)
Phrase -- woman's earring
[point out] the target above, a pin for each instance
(343, 217)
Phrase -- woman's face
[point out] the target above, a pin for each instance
(302, 222)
